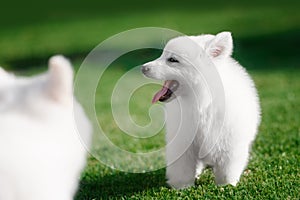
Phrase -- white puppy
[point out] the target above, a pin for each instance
(41, 151)
(196, 136)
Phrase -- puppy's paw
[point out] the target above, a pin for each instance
(233, 183)
(226, 182)
(178, 185)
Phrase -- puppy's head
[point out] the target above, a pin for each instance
(33, 93)
(178, 66)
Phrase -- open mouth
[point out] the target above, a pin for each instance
(169, 87)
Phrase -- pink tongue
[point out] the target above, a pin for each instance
(162, 92)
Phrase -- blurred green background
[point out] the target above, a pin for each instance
(33, 30)
(266, 39)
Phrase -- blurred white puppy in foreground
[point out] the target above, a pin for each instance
(41, 151)
(196, 136)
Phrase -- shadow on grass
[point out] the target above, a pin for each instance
(119, 184)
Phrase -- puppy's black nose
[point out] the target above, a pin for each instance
(145, 69)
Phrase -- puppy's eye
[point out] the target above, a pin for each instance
(173, 60)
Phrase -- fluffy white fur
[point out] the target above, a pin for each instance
(41, 152)
(227, 151)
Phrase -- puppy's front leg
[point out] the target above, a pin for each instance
(181, 173)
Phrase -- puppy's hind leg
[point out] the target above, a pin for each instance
(231, 170)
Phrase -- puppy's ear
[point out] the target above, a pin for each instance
(2, 72)
(221, 46)
(60, 83)
(5, 77)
